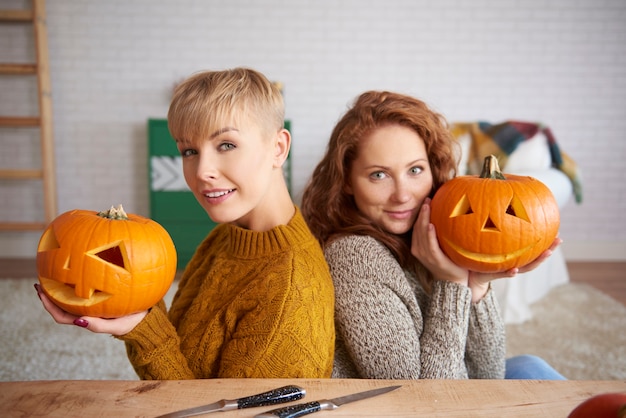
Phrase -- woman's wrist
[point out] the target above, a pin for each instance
(479, 290)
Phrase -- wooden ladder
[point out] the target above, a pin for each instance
(40, 68)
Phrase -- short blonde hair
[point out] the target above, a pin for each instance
(208, 98)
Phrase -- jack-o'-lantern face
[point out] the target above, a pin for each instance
(90, 264)
(490, 223)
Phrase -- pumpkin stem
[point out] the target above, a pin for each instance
(491, 169)
(114, 213)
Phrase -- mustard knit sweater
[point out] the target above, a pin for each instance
(249, 304)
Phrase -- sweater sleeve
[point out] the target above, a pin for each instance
(379, 321)
(445, 331)
(486, 344)
(153, 348)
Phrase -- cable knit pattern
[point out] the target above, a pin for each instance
(389, 328)
(250, 304)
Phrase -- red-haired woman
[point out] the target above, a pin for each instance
(403, 310)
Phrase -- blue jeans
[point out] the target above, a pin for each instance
(530, 367)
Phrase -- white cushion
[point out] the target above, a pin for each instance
(464, 141)
(530, 155)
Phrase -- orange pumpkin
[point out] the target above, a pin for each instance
(107, 264)
(492, 223)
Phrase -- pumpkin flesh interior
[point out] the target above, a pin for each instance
(489, 258)
(66, 294)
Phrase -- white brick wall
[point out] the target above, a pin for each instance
(113, 64)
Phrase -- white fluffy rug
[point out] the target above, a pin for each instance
(579, 330)
(34, 347)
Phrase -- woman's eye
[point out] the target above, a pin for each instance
(188, 152)
(416, 170)
(378, 175)
(226, 146)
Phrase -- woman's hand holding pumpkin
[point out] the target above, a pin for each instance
(114, 326)
(425, 247)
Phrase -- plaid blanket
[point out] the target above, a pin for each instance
(503, 138)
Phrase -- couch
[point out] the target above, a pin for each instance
(525, 149)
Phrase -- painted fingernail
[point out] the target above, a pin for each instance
(81, 322)
(38, 291)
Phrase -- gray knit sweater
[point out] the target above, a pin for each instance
(389, 328)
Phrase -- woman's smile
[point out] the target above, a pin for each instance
(217, 196)
(400, 214)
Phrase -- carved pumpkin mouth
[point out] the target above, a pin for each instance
(488, 258)
(65, 293)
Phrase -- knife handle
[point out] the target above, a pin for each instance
(298, 410)
(281, 395)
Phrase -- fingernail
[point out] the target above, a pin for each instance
(38, 291)
(81, 322)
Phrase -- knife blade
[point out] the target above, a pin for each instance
(280, 395)
(293, 411)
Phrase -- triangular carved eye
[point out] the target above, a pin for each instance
(516, 208)
(48, 241)
(463, 207)
(113, 255)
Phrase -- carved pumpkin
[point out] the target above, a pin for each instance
(107, 264)
(492, 223)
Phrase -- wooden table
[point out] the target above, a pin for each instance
(427, 398)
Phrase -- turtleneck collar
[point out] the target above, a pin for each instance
(245, 243)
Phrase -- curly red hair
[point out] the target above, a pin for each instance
(327, 207)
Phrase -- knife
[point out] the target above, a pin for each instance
(298, 410)
(281, 395)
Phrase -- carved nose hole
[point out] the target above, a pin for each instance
(490, 226)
